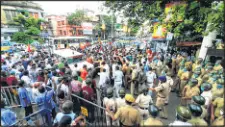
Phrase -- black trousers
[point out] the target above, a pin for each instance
(28, 111)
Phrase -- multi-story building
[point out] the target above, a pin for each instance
(10, 9)
(60, 27)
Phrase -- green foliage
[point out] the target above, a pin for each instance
(77, 17)
(21, 37)
(195, 15)
(33, 31)
(30, 29)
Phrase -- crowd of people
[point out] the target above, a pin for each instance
(135, 87)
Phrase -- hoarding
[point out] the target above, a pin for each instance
(87, 28)
(159, 31)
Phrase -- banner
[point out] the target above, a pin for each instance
(159, 31)
(87, 28)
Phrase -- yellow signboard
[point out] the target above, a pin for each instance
(84, 111)
(159, 31)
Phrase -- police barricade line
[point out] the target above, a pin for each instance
(10, 94)
(94, 113)
(39, 118)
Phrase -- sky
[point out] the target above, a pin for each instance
(64, 7)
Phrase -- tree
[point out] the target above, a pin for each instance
(195, 16)
(107, 20)
(30, 29)
(77, 17)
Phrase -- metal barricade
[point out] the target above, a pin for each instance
(10, 94)
(95, 114)
(39, 118)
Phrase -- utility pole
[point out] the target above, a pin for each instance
(112, 25)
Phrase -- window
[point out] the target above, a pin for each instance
(64, 32)
(8, 15)
(60, 32)
(62, 22)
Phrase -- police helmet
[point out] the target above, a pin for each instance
(206, 86)
(109, 92)
(122, 92)
(194, 81)
(67, 107)
(183, 113)
(195, 109)
(199, 100)
(153, 110)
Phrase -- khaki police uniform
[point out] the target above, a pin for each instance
(133, 83)
(217, 92)
(196, 121)
(120, 102)
(162, 91)
(128, 116)
(152, 122)
(218, 103)
(218, 122)
(169, 80)
(110, 102)
(189, 93)
(143, 103)
(184, 80)
(204, 112)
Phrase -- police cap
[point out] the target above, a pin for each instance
(129, 98)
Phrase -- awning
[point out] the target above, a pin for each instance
(188, 44)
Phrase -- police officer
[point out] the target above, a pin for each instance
(143, 101)
(162, 91)
(218, 88)
(120, 101)
(220, 120)
(110, 102)
(182, 115)
(153, 120)
(200, 100)
(196, 112)
(197, 64)
(184, 79)
(133, 119)
(189, 91)
(170, 82)
(217, 105)
(206, 93)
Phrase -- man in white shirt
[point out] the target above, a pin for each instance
(75, 70)
(143, 101)
(28, 84)
(151, 76)
(106, 67)
(118, 80)
(207, 93)
(103, 78)
(120, 101)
